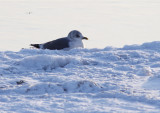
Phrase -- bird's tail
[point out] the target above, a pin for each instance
(35, 45)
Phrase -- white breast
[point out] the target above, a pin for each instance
(76, 43)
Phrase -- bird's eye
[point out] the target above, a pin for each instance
(77, 36)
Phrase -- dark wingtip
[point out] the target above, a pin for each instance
(35, 45)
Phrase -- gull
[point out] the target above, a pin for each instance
(73, 40)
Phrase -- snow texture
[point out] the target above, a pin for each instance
(81, 80)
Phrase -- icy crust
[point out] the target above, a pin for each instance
(98, 80)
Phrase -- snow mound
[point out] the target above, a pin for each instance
(45, 62)
(83, 86)
(152, 83)
(144, 71)
(150, 46)
(50, 62)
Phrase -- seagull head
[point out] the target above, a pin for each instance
(76, 35)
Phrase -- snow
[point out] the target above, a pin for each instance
(81, 80)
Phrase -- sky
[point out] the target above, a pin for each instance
(105, 22)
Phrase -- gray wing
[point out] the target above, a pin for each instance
(57, 44)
